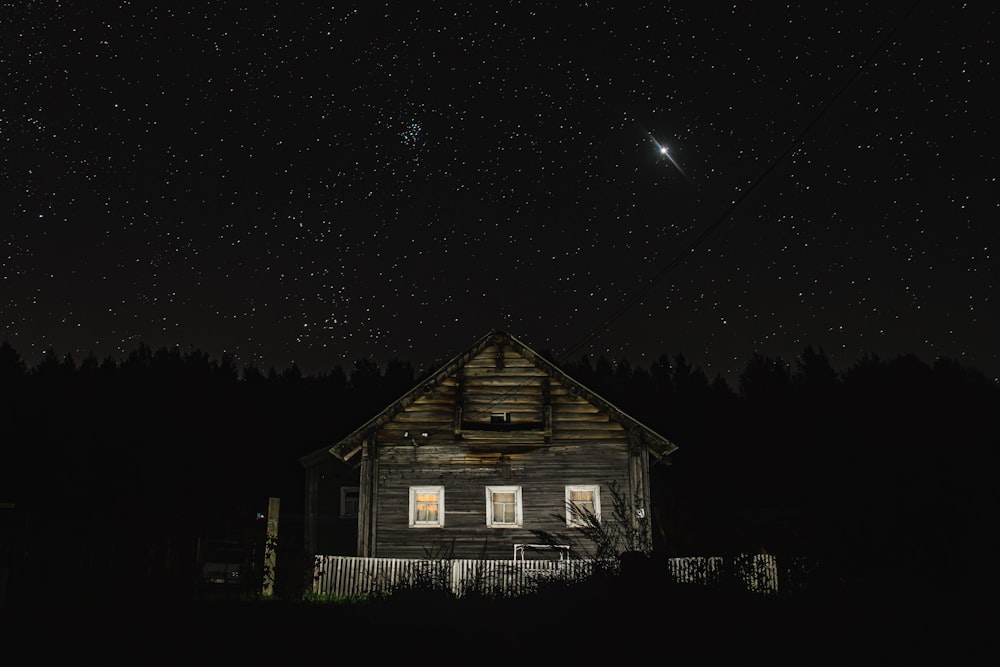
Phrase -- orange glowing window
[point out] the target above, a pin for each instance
(426, 506)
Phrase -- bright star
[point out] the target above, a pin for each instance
(665, 151)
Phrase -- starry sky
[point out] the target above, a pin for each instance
(313, 183)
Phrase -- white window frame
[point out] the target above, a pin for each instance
(414, 491)
(518, 506)
(572, 519)
(344, 490)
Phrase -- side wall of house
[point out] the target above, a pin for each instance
(336, 527)
(456, 436)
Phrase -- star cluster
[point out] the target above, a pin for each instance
(294, 183)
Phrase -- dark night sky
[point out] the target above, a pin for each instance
(295, 182)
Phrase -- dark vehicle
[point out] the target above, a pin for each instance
(224, 563)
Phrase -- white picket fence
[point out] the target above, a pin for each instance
(350, 576)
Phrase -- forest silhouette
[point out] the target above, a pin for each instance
(881, 473)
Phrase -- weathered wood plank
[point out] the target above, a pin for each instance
(502, 380)
(579, 418)
(474, 400)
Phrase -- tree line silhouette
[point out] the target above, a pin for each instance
(113, 468)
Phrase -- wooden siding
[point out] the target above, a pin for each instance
(348, 576)
(430, 443)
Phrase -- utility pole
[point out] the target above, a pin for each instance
(270, 546)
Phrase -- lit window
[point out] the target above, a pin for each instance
(503, 506)
(583, 502)
(349, 501)
(426, 506)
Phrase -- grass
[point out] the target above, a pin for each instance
(647, 616)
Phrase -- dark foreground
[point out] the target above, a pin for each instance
(693, 624)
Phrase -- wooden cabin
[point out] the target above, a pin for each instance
(492, 450)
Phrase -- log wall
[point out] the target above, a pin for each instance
(499, 421)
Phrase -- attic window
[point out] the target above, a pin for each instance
(504, 422)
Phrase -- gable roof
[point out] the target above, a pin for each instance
(349, 446)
